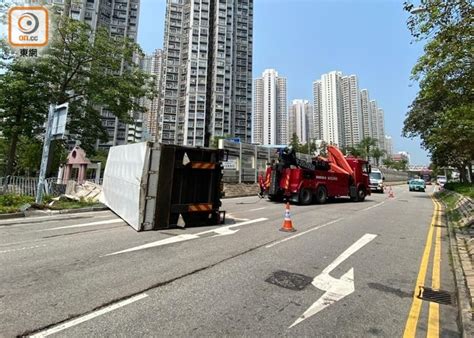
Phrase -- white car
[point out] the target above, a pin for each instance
(441, 180)
(376, 179)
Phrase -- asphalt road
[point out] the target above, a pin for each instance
(350, 269)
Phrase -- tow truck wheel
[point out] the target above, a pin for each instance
(321, 195)
(305, 197)
(361, 194)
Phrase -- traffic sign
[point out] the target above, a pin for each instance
(235, 139)
(60, 120)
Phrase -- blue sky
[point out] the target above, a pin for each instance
(303, 39)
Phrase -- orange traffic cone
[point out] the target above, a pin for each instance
(390, 192)
(287, 223)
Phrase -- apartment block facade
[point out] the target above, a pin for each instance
(366, 113)
(152, 64)
(331, 108)
(301, 120)
(317, 111)
(270, 113)
(207, 71)
(351, 111)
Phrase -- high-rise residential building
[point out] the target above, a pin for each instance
(374, 119)
(331, 108)
(381, 128)
(120, 18)
(351, 110)
(207, 71)
(388, 146)
(152, 65)
(270, 114)
(300, 115)
(366, 113)
(317, 110)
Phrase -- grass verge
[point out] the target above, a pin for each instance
(450, 200)
(466, 189)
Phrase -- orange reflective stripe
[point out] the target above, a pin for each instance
(203, 165)
(200, 207)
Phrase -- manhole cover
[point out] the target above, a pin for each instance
(289, 280)
(437, 296)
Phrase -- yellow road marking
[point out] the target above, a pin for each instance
(433, 318)
(412, 321)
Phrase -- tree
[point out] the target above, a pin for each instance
(442, 112)
(89, 70)
(364, 148)
(377, 153)
(93, 76)
(23, 105)
(295, 142)
(354, 151)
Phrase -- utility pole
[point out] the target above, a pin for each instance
(44, 157)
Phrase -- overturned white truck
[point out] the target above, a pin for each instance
(150, 185)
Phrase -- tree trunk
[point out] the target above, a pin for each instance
(12, 153)
(467, 166)
(462, 173)
(67, 8)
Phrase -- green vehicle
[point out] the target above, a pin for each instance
(417, 185)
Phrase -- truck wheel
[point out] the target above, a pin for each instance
(321, 195)
(305, 197)
(361, 194)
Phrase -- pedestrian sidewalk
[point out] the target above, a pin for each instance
(461, 225)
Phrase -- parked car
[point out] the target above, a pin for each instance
(441, 180)
(417, 185)
(376, 180)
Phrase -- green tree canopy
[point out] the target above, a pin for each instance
(89, 70)
(377, 153)
(295, 142)
(442, 114)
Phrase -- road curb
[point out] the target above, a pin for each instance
(464, 307)
(36, 213)
(13, 215)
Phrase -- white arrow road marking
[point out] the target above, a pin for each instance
(336, 289)
(222, 231)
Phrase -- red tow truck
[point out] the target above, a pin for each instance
(320, 180)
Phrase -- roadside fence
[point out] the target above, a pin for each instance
(28, 186)
(246, 161)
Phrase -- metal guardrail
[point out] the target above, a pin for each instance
(246, 161)
(28, 186)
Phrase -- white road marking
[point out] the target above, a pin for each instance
(222, 231)
(303, 233)
(231, 216)
(25, 248)
(257, 209)
(82, 319)
(54, 217)
(171, 240)
(110, 221)
(373, 206)
(336, 289)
